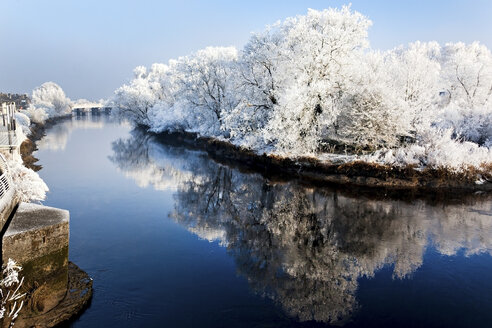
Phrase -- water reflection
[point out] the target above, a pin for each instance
(59, 134)
(305, 248)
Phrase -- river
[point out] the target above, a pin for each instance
(173, 238)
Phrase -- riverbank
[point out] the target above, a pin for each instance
(38, 131)
(356, 173)
(363, 176)
(37, 237)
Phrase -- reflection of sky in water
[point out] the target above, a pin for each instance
(318, 254)
(59, 134)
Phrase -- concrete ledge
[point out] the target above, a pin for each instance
(35, 231)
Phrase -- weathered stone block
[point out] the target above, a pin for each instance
(35, 231)
(37, 239)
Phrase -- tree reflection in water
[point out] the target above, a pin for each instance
(303, 247)
(58, 134)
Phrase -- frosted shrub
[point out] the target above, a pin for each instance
(369, 120)
(436, 148)
(164, 117)
(29, 185)
(9, 292)
(470, 124)
(371, 115)
(24, 121)
(260, 79)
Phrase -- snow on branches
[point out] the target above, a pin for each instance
(311, 83)
(48, 100)
(11, 298)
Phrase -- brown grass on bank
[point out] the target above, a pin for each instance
(357, 173)
(26, 149)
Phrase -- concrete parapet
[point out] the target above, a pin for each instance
(35, 231)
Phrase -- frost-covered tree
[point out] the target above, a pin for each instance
(206, 83)
(321, 52)
(467, 82)
(47, 101)
(190, 93)
(370, 114)
(309, 83)
(136, 99)
(258, 84)
(467, 73)
(395, 95)
(413, 75)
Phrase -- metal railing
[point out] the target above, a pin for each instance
(8, 125)
(8, 116)
(5, 181)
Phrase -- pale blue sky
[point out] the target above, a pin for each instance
(91, 47)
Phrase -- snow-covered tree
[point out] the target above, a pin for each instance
(321, 52)
(413, 76)
(370, 114)
(206, 82)
(135, 100)
(467, 73)
(258, 84)
(310, 82)
(467, 83)
(48, 100)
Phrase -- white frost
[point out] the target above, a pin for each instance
(312, 82)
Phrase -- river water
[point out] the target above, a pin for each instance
(174, 239)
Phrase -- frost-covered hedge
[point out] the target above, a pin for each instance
(311, 82)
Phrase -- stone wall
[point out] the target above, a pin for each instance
(37, 238)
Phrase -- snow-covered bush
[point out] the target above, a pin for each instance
(48, 100)
(24, 121)
(468, 124)
(29, 185)
(436, 148)
(467, 85)
(11, 302)
(412, 76)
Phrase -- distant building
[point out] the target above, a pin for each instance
(22, 101)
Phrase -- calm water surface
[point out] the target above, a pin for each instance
(174, 239)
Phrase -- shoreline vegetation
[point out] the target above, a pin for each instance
(309, 97)
(311, 169)
(37, 131)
